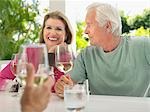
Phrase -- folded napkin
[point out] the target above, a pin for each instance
(6, 74)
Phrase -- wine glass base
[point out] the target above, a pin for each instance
(75, 109)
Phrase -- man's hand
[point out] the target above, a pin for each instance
(35, 99)
(59, 85)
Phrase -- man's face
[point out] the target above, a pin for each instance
(95, 32)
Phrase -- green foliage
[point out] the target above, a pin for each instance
(141, 32)
(125, 26)
(17, 25)
(81, 39)
(140, 20)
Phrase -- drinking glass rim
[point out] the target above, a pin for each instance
(34, 45)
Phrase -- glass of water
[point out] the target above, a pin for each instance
(75, 97)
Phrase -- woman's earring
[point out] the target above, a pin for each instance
(65, 39)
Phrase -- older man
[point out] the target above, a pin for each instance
(114, 65)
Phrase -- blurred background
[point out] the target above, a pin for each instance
(21, 20)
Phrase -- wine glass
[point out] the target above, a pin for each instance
(14, 61)
(147, 90)
(12, 86)
(64, 57)
(75, 97)
(16, 82)
(38, 56)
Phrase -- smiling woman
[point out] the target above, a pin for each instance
(56, 30)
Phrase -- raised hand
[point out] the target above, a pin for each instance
(32, 100)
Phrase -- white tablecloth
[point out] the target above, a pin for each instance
(97, 103)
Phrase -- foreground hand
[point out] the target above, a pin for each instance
(35, 99)
(59, 86)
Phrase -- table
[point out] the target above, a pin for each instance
(96, 103)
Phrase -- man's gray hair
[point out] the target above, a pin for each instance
(104, 13)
